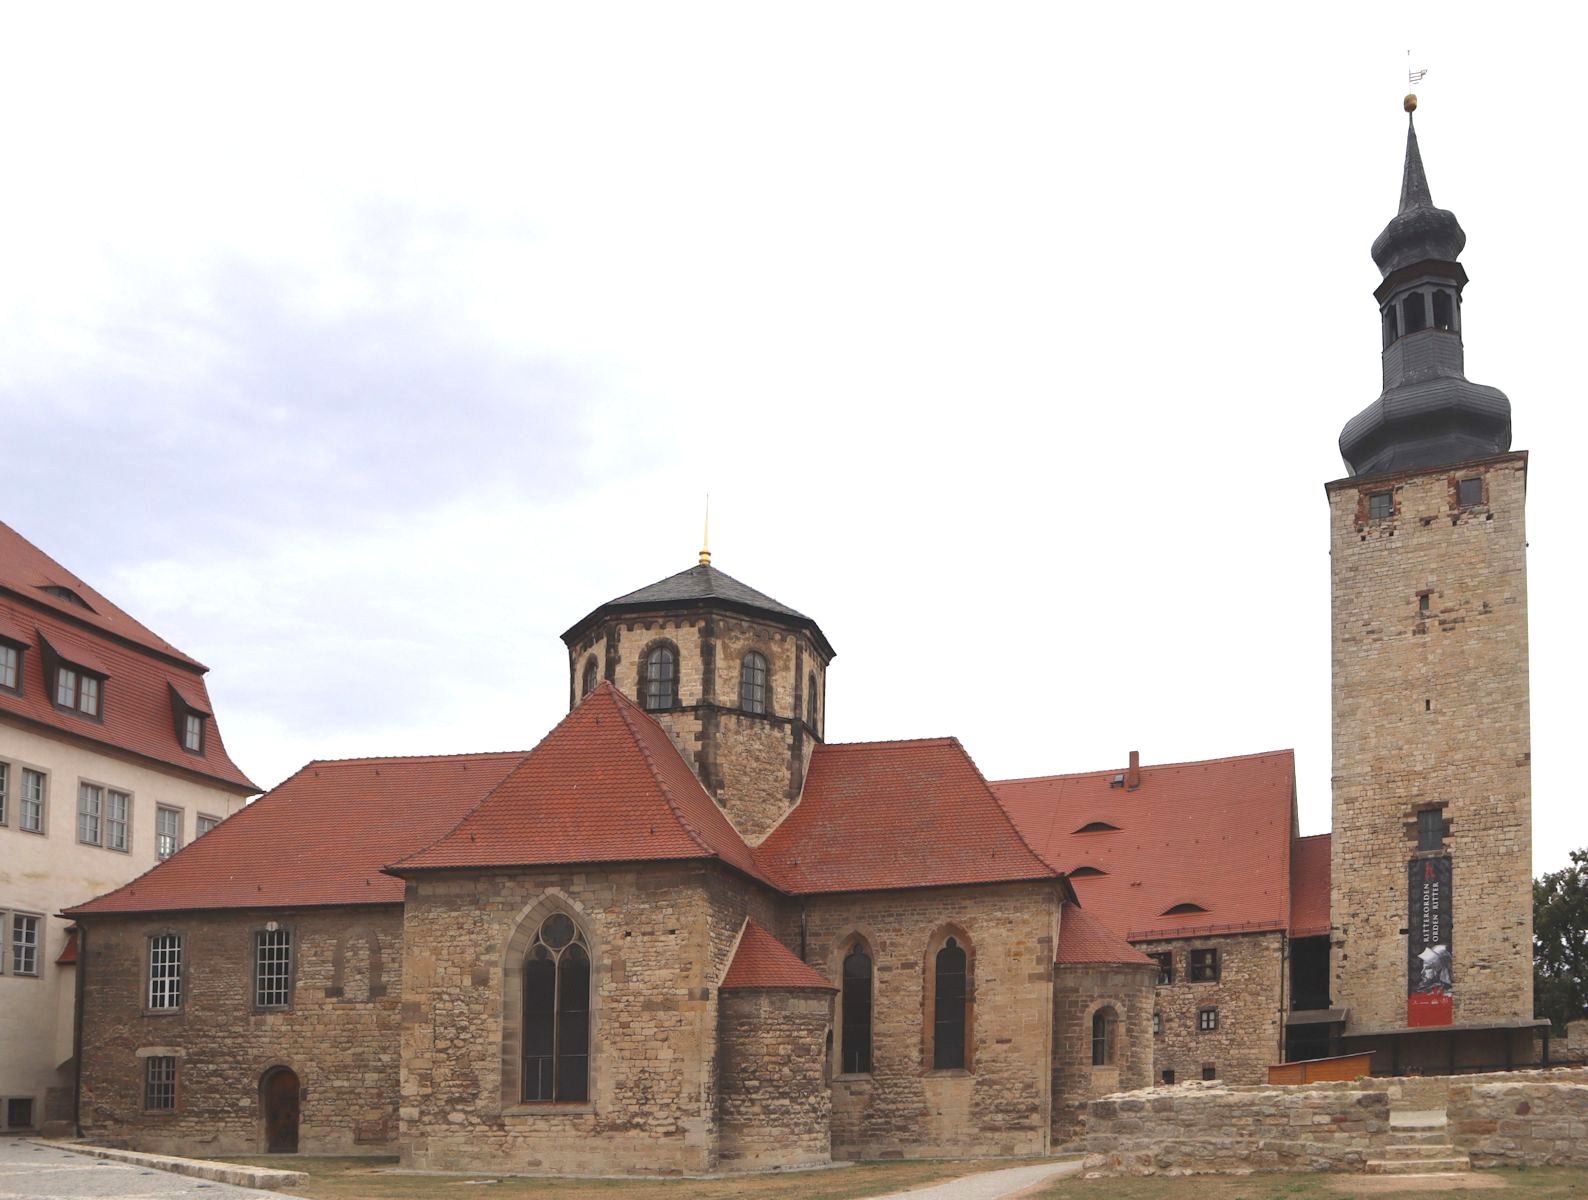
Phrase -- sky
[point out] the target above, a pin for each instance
(360, 350)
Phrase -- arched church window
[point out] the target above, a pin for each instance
(810, 700)
(857, 1012)
(591, 676)
(1103, 1037)
(661, 678)
(557, 1013)
(948, 1009)
(752, 683)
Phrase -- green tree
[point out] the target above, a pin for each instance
(1560, 943)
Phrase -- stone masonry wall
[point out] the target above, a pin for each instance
(1431, 708)
(1196, 1128)
(339, 1034)
(752, 764)
(774, 1103)
(1249, 996)
(659, 936)
(903, 1108)
(1078, 992)
(1537, 1119)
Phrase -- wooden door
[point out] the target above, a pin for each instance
(281, 1111)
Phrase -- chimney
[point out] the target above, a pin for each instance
(1133, 774)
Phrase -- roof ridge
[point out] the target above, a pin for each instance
(1002, 811)
(733, 951)
(656, 775)
(892, 743)
(1190, 762)
(396, 758)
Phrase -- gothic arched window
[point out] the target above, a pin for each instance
(557, 1013)
(1103, 1037)
(752, 683)
(591, 677)
(948, 1009)
(660, 678)
(857, 1012)
(810, 700)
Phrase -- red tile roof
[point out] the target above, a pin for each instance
(1178, 835)
(1309, 885)
(68, 955)
(1085, 939)
(27, 571)
(320, 838)
(881, 815)
(136, 702)
(606, 785)
(761, 961)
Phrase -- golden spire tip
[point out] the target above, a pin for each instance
(705, 537)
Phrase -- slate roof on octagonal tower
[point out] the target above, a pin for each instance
(320, 838)
(701, 586)
(605, 785)
(1198, 847)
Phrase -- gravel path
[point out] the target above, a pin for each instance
(991, 1185)
(33, 1172)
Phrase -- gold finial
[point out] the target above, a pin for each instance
(705, 537)
(1410, 103)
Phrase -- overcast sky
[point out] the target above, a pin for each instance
(361, 350)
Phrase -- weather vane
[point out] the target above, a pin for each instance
(1414, 76)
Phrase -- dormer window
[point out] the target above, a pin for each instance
(76, 690)
(193, 733)
(10, 667)
(66, 594)
(191, 716)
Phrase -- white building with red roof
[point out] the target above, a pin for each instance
(111, 760)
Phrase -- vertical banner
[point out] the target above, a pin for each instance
(1428, 984)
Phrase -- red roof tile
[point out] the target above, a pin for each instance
(1309, 885)
(320, 838)
(761, 961)
(880, 815)
(606, 785)
(1178, 835)
(27, 571)
(1085, 939)
(136, 704)
(68, 955)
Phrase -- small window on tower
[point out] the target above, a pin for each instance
(1469, 492)
(1424, 602)
(1415, 309)
(1380, 505)
(1444, 311)
(1389, 326)
(588, 684)
(1430, 829)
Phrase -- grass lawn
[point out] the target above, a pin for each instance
(368, 1179)
(1531, 1184)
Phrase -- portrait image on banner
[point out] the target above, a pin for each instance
(1428, 943)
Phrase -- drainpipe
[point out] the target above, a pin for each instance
(77, 1031)
(803, 932)
(1284, 980)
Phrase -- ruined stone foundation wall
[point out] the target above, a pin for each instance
(339, 1033)
(903, 1107)
(774, 1106)
(1430, 709)
(1079, 991)
(1537, 1119)
(1198, 1128)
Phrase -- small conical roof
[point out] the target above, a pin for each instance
(1419, 232)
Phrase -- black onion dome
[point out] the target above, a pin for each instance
(1419, 232)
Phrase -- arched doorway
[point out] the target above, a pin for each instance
(278, 1093)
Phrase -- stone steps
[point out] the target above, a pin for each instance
(1420, 1151)
(1421, 1147)
(1426, 1166)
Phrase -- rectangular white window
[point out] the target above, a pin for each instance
(90, 808)
(10, 661)
(159, 1082)
(88, 695)
(32, 807)
(272, 968)
(24, 945)
(205, 823)
(5, 791)
(193, 732)
(165, 971)
(167, 831)
(66, 687)
(118, 810)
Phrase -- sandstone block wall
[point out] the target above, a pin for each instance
(1210, 1127)
(1537, 1119)
(1431, 708)
(774, 1102)
(659, 938)
(1249, 995)
(1078, 992)
(903, 1108)
(339, 1034)
(752, 764)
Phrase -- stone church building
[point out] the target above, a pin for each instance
(686, 932)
